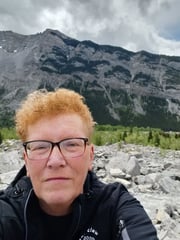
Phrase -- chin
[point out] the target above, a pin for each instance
(59, 199)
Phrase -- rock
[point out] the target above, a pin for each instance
(116, 172)
(150, 174)
(169, 185)
(6, 178)
(133, 167)
(126, 183)
(10, 160)
(161, 216)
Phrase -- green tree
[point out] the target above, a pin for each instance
(156, 139)
(124, 136)
(1, 138)
(150, 136)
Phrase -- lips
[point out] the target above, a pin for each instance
(57, 179)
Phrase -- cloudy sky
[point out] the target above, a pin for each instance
(151, 25)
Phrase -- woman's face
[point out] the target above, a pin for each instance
(57, 181)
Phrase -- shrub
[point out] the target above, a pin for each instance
(1, 138)
(97, 140)
(8, 133)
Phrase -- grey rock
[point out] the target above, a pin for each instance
(169, 185)
(133, 167)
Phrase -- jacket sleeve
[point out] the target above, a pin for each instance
(1, 233)
(10, 227)
(132, 221)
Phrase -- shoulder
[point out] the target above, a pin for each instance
(115, 190)
(11, 224)
(12, 203)
(13, 198)
(113, 195)
(19, 187)
(128, 214)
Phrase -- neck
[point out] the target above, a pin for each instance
(57, 209)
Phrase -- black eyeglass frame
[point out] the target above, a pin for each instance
(53, 144)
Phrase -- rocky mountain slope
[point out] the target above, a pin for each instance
(121, 87)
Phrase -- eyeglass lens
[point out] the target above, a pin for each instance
(42, 149)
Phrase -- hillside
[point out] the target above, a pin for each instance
(121, 87)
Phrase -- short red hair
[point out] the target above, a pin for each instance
(42, 103)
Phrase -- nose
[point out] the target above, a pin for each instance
(56, 158)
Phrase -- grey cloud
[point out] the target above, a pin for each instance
(137, 23)
(92, 9)
(144, 5)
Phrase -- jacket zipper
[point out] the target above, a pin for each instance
(25, 214)
(78, 222)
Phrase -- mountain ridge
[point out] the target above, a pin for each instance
(120, 86)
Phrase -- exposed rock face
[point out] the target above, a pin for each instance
(121, 87)
(151, 175)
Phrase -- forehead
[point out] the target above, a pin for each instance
(59, 126)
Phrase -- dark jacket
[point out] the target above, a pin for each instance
(102, 212)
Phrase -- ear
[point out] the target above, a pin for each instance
(25, 161)
(91, 156)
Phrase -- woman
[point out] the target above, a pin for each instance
(56, 195)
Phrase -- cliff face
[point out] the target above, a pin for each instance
(121, 87)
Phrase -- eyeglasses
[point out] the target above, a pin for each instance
(42, 149)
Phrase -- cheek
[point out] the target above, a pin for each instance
(33, 170)
(81, 165)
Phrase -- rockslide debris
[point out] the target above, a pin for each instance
(152, 175)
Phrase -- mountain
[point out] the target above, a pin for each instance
(120, 86)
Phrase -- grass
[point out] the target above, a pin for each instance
(107, 134)
(141, 136)
(7, 133)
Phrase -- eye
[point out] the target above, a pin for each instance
(38, 146)
(71, 144)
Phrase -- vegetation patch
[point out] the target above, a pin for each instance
(109, 134)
